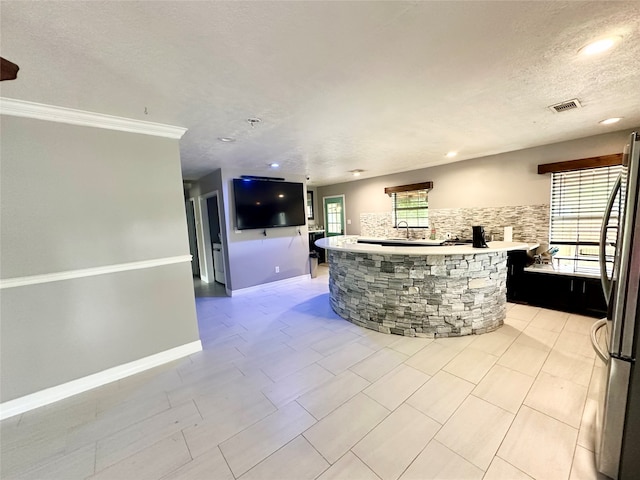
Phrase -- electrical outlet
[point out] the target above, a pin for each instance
(277, 269)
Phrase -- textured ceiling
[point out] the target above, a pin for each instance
(378, 86)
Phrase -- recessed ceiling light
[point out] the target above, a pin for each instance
(599, 46)
(226, 139)
(609, 121)
(274, 165)
(356, 172)
(451, 154)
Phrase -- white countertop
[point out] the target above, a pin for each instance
(348, 243)
(548, 269)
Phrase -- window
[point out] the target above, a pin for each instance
(578, 202)
(411, 207)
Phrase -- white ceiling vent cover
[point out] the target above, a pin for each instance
(564, 106)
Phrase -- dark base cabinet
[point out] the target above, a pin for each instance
(568, 293)
(593, 297)
(516, 286)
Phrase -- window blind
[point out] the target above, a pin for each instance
(411, 207)
(578, 202)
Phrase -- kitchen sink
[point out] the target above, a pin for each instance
(395, 242)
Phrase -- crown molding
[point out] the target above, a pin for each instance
(39, 111)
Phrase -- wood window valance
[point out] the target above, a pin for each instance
(409, 188)
(8, 70)
(581, 164)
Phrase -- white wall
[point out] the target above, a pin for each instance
(74, 198)
(507, 179)
(252, 257)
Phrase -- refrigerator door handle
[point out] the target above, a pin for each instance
(606, 281)
(603, 354)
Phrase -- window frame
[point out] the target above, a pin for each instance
(422, 206)
(576, 211)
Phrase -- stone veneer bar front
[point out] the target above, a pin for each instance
(427, 291)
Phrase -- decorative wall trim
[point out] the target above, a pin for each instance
(39, 111)
(90, 272)
(263, 286)
(60, 392)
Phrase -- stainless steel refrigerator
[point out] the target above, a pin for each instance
(615, 338)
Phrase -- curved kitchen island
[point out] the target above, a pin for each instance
(418, 290)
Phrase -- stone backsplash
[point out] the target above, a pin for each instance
(530, 223)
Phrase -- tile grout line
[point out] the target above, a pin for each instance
(518, 469)
(95, 458)
(226, 461)
(362, 460)
(528, 390)
(360, 439)
(471, 394)
(542, 413)
(274, 452)
(391, 412)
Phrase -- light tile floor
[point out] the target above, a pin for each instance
(285, 389)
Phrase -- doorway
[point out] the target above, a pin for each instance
(334, 215)
(212, 247)
(216, 239)
(190, 206)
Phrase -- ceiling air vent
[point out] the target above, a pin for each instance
(564, 106)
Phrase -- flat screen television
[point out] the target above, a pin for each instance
(268, 203)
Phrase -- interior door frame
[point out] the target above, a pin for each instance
(344, 213)
(196, 254)
(205, 249)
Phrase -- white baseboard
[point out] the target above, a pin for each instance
(59, 392)
(264, 286)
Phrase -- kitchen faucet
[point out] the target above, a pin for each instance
(406, 225)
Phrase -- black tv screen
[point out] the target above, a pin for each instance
(267, 203)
